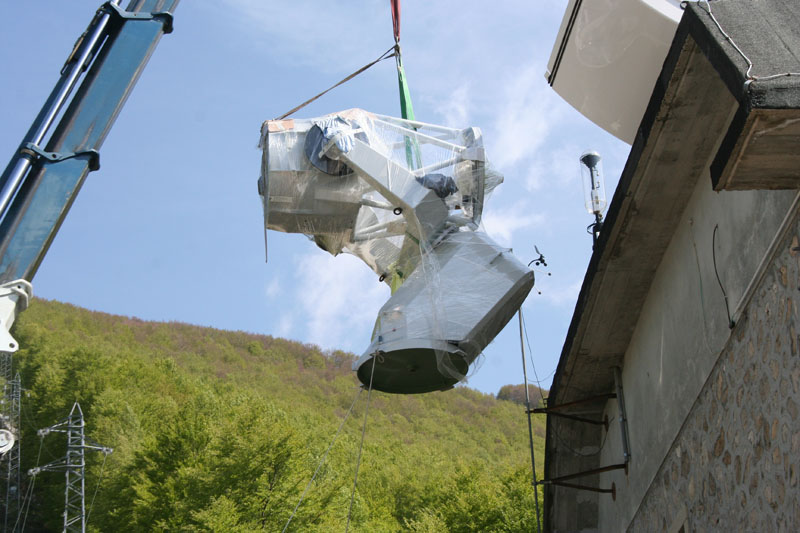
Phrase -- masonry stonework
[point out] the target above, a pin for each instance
(734, 464)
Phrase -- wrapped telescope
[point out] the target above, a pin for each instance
(406, 198)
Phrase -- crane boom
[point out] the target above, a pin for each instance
(45, 174)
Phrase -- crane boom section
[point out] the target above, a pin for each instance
(44, 176)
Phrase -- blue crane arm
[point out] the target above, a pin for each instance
(45, 175)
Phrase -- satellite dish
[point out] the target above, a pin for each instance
(6, 441)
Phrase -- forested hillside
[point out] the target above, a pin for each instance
(221, 431)
(516, 394)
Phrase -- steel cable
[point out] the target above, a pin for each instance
(324, 457)
(361, 445)
(29, 492)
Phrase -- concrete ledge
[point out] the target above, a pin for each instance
(757, 151)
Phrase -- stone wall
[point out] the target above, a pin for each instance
(734, 464)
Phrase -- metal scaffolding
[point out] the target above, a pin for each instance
(10, 461)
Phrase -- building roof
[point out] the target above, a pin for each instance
(716, 113)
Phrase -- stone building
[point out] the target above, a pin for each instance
(682, 361)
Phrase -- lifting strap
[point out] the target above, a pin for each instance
(386, 55)
(406, 107)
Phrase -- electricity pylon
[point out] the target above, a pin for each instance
(73, 466)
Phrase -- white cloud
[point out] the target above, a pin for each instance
(501, 224)
(273, 288)
(323, 35)
(524, 119)
(556, 167)
(285, 324)
(455, 107)
(562, 295)
(338, 299)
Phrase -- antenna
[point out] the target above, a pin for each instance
(594, 191)
(73, 467)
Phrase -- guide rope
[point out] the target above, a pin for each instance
(530, 358)
(28, 493)
(391, 52)
(324, 457)
(530, 423)
(97, 487)
(361, 444)
(539, 382)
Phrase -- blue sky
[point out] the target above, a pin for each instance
(171, 226)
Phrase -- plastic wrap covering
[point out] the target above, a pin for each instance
(407, 198)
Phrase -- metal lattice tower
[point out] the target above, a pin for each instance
(73, 465)
(10, 462)
(6, 376)
(14, 454)
(74, 504)
(5, 369)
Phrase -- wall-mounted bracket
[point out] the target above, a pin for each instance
(603, 422)
(561, 480)
(164, 16)
(612, 490)
(555, 410)
(34, 151)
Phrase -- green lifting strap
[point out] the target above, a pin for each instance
(406, 107)
(407, 112)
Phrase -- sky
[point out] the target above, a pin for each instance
(171, 227)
